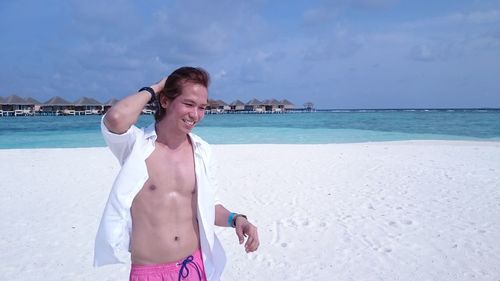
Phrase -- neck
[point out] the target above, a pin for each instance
(169, 136)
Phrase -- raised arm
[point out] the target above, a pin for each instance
(124, 113)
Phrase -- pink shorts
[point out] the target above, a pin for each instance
(190, 268)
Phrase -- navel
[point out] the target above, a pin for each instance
(176, 238)
(152, 187)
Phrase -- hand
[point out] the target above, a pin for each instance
(158, 87)
(245, 229)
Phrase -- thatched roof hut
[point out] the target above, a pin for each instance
(275, 102)
(217, 105)
(221, 103)
(87, 106)
(211, 102)
(15, 100)
(57, 101)
(237, 103)
(286, 102)
(85, 101)
(57, 106)
(15, 105)
(111, 102)
(32, 100)
(253, 105)
(254, 102)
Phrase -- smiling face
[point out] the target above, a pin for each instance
(186, 110)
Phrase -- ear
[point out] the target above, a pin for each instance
(164, 102)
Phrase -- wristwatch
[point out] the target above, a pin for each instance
(233, 223)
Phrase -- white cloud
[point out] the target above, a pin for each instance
(472, 18)
(319, 15)
(484, 17)
(423, 52)
(341, 43)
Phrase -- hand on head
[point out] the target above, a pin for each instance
(158, 87)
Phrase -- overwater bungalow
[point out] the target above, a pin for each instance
(16, 106)
(36, 103)
(217, 106)
(287, 105)
(57, 106)
(254, 105)
(223, 105)
(87, 106)
(237, 105)
(271, 105)
(108, 104)
(32, 100)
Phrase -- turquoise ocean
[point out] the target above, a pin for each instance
(332, 126)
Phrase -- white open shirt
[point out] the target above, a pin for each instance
(131, 149)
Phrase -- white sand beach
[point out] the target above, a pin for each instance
(419, 210)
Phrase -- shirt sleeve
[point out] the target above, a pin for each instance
(120, 144)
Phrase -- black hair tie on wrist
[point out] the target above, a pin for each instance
(151, 91)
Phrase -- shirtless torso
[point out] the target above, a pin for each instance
(164, 212)
(164, 223)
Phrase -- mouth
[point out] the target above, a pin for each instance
(189, 122)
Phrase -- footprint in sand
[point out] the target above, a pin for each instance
(277, 239)
(407, 222)
(263, 259)
(276, 232)
(270, 199)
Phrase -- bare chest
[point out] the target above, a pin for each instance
(171, 173)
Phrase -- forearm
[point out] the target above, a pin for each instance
(221, 215)
(124, 113)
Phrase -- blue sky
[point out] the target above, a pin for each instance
(336, 54)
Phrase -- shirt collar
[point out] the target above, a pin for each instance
(150, 132)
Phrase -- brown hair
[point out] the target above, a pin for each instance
(174, 83)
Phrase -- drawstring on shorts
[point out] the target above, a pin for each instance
(184, 271)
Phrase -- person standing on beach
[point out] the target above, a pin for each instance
(163, 204)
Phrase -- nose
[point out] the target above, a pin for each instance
(194, 114)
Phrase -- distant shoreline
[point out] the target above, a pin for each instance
(292, 111)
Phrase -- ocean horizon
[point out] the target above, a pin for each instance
(320, 127)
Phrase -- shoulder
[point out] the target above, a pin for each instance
(197, 139)
(201, 146)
